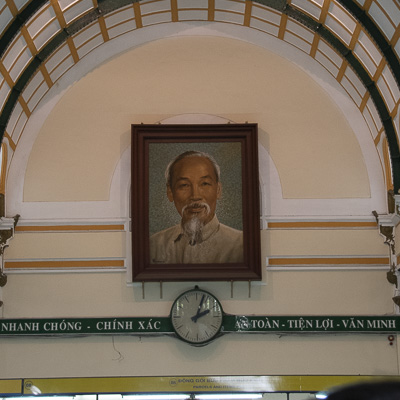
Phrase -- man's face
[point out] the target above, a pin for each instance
(194, 182)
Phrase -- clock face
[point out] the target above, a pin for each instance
(196, 316)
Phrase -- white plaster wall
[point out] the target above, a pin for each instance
(286, 293)
(233, 355)
(88, 129)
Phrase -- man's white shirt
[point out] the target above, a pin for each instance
(220, 244)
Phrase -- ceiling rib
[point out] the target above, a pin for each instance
(18, 22)
(107, 6)
(376, 35)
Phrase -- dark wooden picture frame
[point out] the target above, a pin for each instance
(237, 145)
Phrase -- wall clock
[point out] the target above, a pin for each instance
(196, 316)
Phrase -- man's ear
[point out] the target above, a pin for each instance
(219, 190)
(169, 194)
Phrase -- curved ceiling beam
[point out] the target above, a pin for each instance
(18, 22)
(107, 6)
(376, 35)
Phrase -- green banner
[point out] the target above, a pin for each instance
(298, 324)
(231, 324)
(84, 326)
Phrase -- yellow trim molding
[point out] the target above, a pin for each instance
(64, 264)
(66, 228)
(293, 262)
(321, 224)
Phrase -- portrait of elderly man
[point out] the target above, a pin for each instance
(193, 185)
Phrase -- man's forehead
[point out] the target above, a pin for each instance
(184, 164)
(188, 162)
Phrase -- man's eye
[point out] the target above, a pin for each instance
(206, 184)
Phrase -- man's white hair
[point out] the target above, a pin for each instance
(191, 153)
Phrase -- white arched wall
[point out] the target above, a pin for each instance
(278, 205)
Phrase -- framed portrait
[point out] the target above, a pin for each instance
(195, 203)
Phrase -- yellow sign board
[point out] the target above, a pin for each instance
(191, 384)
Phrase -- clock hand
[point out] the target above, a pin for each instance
(199, 315)
(201, 303)
(205, 312)
(194, 318)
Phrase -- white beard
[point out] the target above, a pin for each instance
(193, 227)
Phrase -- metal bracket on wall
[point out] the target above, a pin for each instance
(387, 229)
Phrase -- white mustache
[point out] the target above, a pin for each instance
(197, 205)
